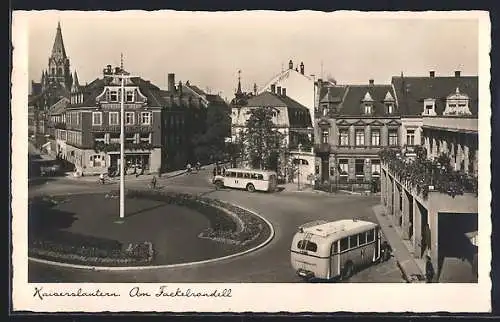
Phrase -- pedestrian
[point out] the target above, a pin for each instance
(386, 251)
(198, 166)
(223, 170)
(188, 167)
(215, 171)
(429, 270)
(153, 182)
(101, 178)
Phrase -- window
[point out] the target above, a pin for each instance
(316, 169)
(96, 118)
(239, 175)
(307, 245)
(343, 167)
(129, 96)
(114, 137)
(344, 137)
(113, 96)
(353, 241)
(370, 236)
(393, 137)
(362, 238)
(360, 137)
(429, 107)
(375, 134)
(368, 108)
(130, 138)
(344, 244)
(145, 137)
(247, 175)
(390, 108)
(129, 118)
(113, 118)
(335, 247)
(325, 135)
(146, 118)
(410, 137)
(375, 168)
(99, 137)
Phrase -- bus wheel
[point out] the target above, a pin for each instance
(348, 271)
(250, 187)
(218, 184)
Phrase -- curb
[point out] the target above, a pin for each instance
(137, 268)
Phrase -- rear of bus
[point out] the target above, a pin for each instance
(309, 256)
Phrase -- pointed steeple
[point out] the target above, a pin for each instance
(58, 48)
(75, 79)
(238, 91)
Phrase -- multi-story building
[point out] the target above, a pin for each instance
(353, 123)
(89, 132)
(290, 118)
(432, 204)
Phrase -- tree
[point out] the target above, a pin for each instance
(210, 144)
(263, 144)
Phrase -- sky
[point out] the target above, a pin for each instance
(208, 48)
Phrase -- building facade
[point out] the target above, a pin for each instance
(88, 134)
(431, 195)
(289, 117)
(352, 124)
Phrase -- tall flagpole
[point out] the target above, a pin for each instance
(122, 146)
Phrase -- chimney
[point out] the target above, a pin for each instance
(283, 91)
(117, 70)
(432, 74)
(171, 83)
(457, 73)
(273, 88)
(290, 64)
(278, 90)
(302, 68)
(320, 82)
(179, 88)
(371, 81)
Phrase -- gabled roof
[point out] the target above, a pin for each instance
(356, 94)
(412, 91)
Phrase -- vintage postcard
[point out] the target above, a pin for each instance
(252, 161)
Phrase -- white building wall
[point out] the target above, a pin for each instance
(411, 124)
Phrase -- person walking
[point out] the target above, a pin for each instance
(153, 182)
(429, 270)
(101, 178)
(188, 168)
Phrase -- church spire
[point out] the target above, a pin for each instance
(75, 79)
(58, 48)
(239, 83)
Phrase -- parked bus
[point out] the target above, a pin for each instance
(328, 250)
(249, 179)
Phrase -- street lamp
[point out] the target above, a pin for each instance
(122, 77)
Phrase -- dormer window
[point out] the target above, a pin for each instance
(368, 109)
(429, 107)
(113, 96)
(457, 104)
(130, 96)
(390, 108)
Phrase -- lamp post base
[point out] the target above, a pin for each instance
(119, 221)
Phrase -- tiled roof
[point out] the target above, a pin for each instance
(332, 94)
(152, 92)
(352, 103)
(274, 100)
(54, 93)
(412, 91)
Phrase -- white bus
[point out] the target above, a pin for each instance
(249, 179)
(328, 250)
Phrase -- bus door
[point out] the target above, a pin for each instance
(355, 252)
(335, 260)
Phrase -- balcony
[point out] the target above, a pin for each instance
(361, 149)
(322, 148)
(425, 176)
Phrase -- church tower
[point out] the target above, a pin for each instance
(59, 71)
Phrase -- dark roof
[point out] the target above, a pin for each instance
(332, 94)
(54, 92)
(151, 91)
(411, 100)
(353, 99)
(267, 98)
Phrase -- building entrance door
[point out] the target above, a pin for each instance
(325, 164)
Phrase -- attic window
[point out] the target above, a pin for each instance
(368, 109)
(457, 104)
(130, 96)
(429, 107)
(390, 108)
(113, 96)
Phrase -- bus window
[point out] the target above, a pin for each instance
(301, 244)
(312, 247)
(370, 236)
(247, 175)
(353, 241)
(254, 176)
(362, 238)
(230, 174)
(239, 175)
(335, 247)
(260, 176)
(344, 244)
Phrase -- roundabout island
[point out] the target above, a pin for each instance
(160, 229)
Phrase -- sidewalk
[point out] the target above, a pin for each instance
(410, 267)
(293, 187)
(129, 177)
